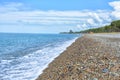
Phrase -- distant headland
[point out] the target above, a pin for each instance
(113, 27)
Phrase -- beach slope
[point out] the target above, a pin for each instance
(91, 57)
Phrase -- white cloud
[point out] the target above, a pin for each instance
(116, 6)
(15, 13)
(54, 17)
(90, 21)
(10, 7)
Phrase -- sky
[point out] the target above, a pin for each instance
(53, 16)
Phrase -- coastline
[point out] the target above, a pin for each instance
(63, 48)
(90, 57)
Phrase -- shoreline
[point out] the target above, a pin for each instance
(90, 57)
(66, 44)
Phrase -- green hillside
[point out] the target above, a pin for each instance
(113, 27)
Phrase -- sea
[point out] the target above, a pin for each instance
(25, 56)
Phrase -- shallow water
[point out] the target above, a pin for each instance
(24, 56)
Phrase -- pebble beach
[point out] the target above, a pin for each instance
(90, 57)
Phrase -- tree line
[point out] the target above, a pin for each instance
(113, 27)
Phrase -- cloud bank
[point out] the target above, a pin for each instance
(116, 7)
(18, 14)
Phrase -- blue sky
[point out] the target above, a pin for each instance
(64, 4)
(53, 16)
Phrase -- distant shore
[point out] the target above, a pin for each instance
(91, 57)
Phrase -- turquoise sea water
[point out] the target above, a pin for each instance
(24, 56)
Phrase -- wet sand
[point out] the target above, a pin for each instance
(91, 57)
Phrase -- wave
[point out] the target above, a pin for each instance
(30, 66)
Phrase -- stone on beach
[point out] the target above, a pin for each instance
(88, 58)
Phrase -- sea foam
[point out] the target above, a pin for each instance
(30, 66)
